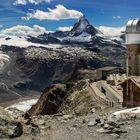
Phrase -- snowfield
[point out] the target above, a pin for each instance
(84, 37)
(23, 43)
(22, 106)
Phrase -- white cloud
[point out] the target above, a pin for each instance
(111, 31)
(23, 31)
(59, 13)
(24, 2)
(117, 17)
(63, 29)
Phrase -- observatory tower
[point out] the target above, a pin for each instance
(133, 47)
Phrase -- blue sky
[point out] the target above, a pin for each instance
(99, 12)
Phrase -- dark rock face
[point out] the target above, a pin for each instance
(43, 39)
(49, 101)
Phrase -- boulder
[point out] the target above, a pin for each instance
(93, 110)
(112, 123)
(92, 122)
(41, 122)
(102, 130)
(102, 122)
(65, 117)
(9, 128)
(111, 127)
(108, 127)
(14, 129)
(98, 120)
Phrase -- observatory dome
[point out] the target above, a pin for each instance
(133, 32)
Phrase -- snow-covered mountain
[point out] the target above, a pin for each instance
(82, 32)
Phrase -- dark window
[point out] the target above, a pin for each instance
(103, 90)
(138, 26)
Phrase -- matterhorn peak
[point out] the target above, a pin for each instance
(83, 25)
(83, 21)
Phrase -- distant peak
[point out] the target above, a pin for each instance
(83, 26)
(83, 20)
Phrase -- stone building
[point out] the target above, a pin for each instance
(133, 47)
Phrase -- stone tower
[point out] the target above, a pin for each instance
(133, 47)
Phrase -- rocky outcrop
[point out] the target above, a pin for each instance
(8, 127)
(112, 127)
(50, 100)
(71, 97)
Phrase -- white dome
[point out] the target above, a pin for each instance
(133, 32)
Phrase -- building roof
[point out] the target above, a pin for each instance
(133, 32)
(108, 68)
(133, 26)
(134, 79)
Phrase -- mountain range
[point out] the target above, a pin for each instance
(82, 32)
(29, 64)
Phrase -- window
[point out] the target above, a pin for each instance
(103, 90)
(138, 26)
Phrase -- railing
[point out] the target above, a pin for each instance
(100, 99)
(117, 94)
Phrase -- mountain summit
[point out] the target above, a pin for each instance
(83, 25)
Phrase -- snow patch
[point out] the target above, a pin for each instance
(23, 43)
(107, 40)
(84, 37)
(22, 106)
(135, 110)
(119, 39)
